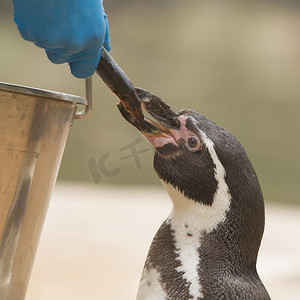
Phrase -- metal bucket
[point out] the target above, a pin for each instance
(34, 127)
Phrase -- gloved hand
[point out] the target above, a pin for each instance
(71, 31)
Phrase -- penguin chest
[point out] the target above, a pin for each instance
(172, 269)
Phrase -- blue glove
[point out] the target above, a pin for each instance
(71, 31)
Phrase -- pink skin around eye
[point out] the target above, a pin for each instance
(183, 133)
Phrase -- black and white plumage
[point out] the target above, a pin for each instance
(207, 248)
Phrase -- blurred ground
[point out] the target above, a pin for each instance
(236, 62)
(95, 242)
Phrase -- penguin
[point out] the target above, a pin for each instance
(207, 247)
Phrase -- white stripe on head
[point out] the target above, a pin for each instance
(190, 220)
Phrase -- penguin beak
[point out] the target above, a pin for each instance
(166, 120)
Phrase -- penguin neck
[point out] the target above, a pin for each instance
(195, 217)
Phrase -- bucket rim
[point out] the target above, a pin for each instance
(22, 89)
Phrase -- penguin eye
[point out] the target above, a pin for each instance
(193, 143)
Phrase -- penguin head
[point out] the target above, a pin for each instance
(192, 152)
(183, 159)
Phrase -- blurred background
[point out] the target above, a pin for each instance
(237, 62)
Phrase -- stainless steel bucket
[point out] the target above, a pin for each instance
(34, 127)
